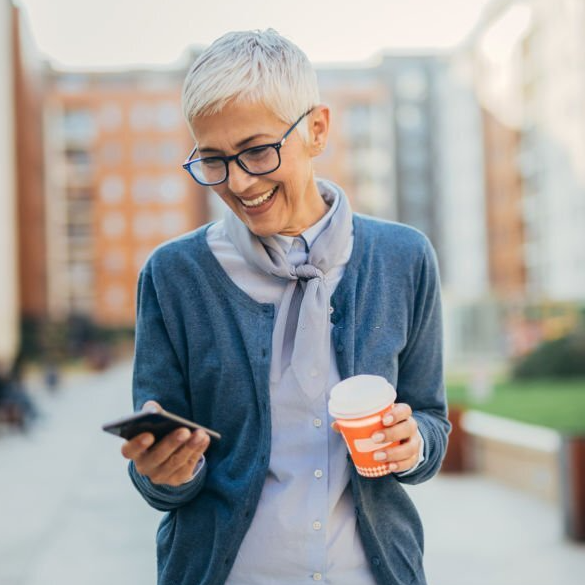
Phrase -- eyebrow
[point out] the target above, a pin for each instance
(238, 145)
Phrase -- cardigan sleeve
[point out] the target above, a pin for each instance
(420, 369)
(158, 376)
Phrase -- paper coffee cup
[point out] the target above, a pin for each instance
(358, 405)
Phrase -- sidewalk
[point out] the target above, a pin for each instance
(69, 514)
(68, 511)
(479, 532)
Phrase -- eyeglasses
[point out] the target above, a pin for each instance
(257, 160)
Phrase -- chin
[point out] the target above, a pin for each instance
(261, 231)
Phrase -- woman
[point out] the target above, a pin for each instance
(246, 324)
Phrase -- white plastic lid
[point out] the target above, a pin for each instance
(360, 396)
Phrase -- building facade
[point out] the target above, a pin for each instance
(29, 85)
(406, 144)
(115, 143)
(535, 50)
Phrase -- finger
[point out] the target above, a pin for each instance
(396, 465)
(192, 453)
(182, 475)
(152, 404)
(398, 413)
(137, 445)
(405, 465)
(161, 451)
(400, 431)
(187, 455)
(398, 453)
(335, 427)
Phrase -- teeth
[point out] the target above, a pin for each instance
(259, 200)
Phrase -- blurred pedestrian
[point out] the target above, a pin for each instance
(245, 325)
(17, 407)
(52, 376)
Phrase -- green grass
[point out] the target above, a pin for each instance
(557, 404)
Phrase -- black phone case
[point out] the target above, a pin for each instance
(159, 424)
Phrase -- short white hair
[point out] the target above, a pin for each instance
(252, 66)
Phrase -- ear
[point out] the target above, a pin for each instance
(318, 129)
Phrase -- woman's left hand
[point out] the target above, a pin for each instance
(401, 428)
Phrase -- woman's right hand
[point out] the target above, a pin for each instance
(173, 459)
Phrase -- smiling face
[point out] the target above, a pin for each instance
(285, 201)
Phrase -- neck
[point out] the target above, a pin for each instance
(315, 209)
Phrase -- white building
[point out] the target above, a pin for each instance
(460, 176)
(548, 38)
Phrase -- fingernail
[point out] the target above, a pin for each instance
(183, 435)
(146, 441)
(388, 420)
(393, 467)
(380, 456)
(378, 437)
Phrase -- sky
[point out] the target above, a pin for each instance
(118, 33)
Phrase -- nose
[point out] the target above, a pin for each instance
(238, 179)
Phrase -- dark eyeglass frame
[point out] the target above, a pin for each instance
(227, 159)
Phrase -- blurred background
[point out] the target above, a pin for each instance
(465, 119)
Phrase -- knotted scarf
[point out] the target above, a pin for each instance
(311, 350)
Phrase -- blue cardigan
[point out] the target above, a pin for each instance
(203, 351)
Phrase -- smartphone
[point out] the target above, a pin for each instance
(150, 420)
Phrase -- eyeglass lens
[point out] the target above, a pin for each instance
(256, 161)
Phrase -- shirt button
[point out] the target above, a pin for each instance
(318, 473)
(317, 576)
(317, 525)
(317, 422)
(314, 373)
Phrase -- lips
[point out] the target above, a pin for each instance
(259, 201)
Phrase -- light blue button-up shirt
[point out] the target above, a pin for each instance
(304, 528)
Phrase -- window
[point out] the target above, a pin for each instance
(142, 153)
(111, 154)
(172, 223)
(357, 122)
(168, 115)
(140, 257)
(80, 275)
(112, 189)
(143, 189)
(169, 153)
(113, 261)
(79, 126)
(140, 116)
(110, 116)
(171, 189)
(144, 225)
(409, 117)
(72, 82)
(114, 224)
(412, 84)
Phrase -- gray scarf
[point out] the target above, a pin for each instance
(311, 351)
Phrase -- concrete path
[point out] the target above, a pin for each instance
(69, 514)
(479, 532)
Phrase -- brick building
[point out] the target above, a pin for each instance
(114, 148)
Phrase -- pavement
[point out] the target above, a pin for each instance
(69, 513)
(479, 532)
